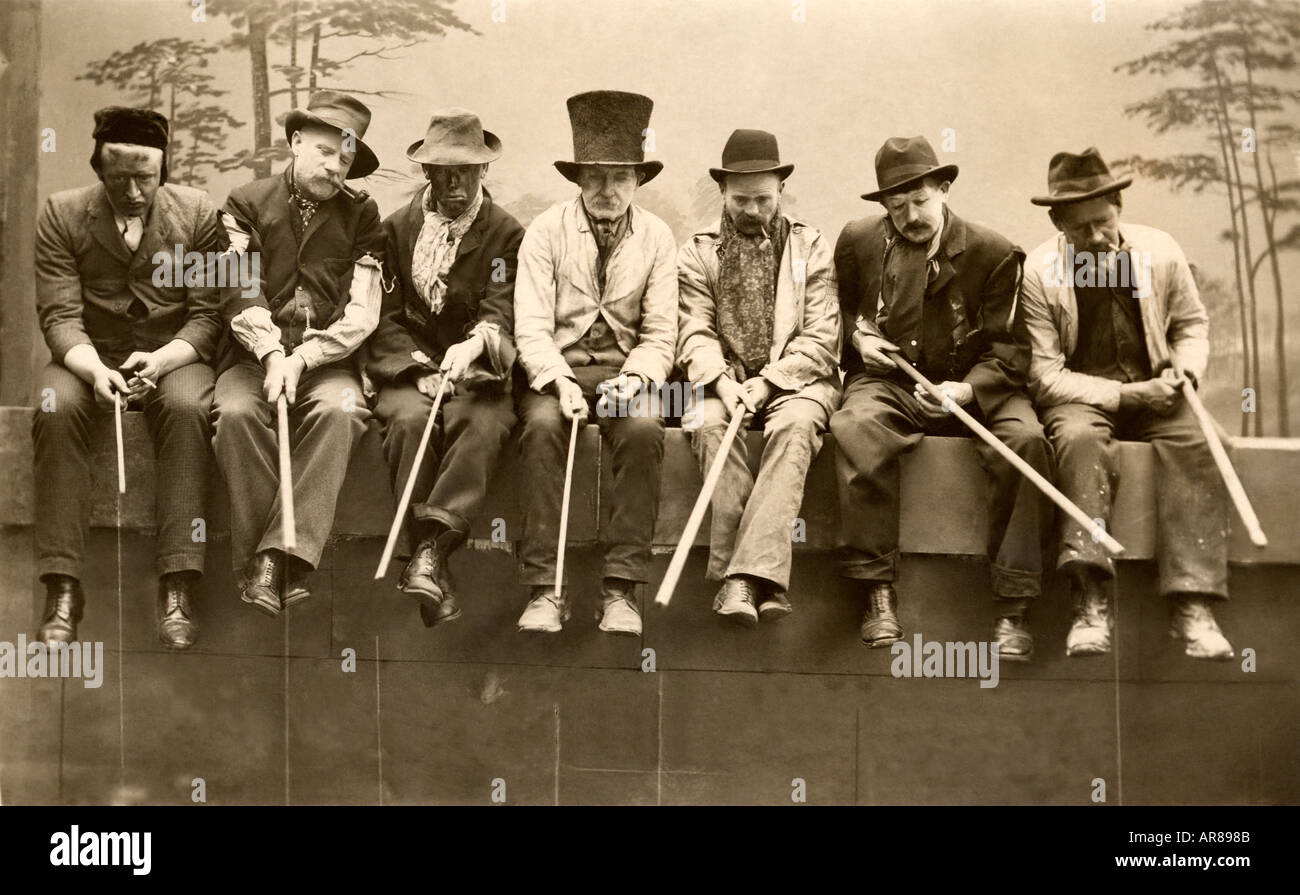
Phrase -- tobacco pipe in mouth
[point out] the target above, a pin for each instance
(357, 196)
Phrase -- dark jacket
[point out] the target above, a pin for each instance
(90, 288)
(480, 289)
(340, 232)
(985, 342)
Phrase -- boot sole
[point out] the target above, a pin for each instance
(296, 598)
(882, 641)
(263, 608)
(430, 598)
(176, 647)
(739, 618)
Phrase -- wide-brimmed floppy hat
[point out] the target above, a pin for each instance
(455, 137)
(750, 152)
(903, 161)
(609, 129)
(343, 113)
(1074, 178)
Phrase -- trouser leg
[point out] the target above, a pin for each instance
(544, 445)
(474, 432)
(727, 503)
(403, 412)
(179, 413)
(61, 432)
(1087, 472)
(637, 445)
(244, 443)
(792, 432)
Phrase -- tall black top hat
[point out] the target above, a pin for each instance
(609, 129)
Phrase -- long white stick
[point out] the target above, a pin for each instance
(121, 456)
(1011, 457)
(1235, 489)
(669, 584)
(410, 484)
(564, 505)
(290, 527)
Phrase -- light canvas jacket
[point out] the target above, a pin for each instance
(806, 324)
(1174, 319)
(557, 298)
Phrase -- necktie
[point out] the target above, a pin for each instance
(132, 232)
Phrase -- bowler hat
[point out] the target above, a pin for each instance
(455, 137)
(609, 127)
(750, 152)
(343, 113)
(903, 161)
(1074, 178)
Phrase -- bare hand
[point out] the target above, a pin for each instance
(456, 360)
(872, 349)
(1159, 395)
(760, 391)
(573, 404)
(618, 393)
(428, 385)
(734, 395)
(145, 366)
(108, 383)
(960, 393)
(282, 376)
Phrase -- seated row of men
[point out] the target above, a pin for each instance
(450, 297)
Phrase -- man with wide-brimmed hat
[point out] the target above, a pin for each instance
(759, 327)
(595, 313)
(1116, 324)
(317, 298)
(940, 291)
(448, 314)
(105, 305)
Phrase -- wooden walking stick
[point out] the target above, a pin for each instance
(121, 456)
(289, 525)
(564, 506)
(693, 521)
(1078, 515)
(1230, 479)
(410, 483)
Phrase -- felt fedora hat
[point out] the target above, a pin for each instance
(343, 113)
(1074, 178)
(902, 162)
(455, 137)
(609, 129)
(750, 152)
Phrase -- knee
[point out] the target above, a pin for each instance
(1026, 438)
(239, 412)
(641, 433)
(796, 421)
(544, 426)
(187, 407)
(402, 412)
(335, 419)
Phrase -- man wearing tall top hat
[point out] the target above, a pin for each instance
(105, 305)
(1116, 324)
(941, 291)
(595, 313)
(759, 327)
(447, 315)
(295, 333)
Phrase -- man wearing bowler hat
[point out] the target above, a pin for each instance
(447, 315)
(105, 304)
(595, 312)
(941, 291)
(759, 326)
(1116, 324)
(316, 300)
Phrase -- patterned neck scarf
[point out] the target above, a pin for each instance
(436, 246)
(306, 207)
(748, 270)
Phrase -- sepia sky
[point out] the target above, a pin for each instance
(1017, 80)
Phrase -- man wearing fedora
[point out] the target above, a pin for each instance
(1116, 323)
(595, 312)
(448, 315)
(316, 299)
(940, 291)
(103, 308)
(759, 326)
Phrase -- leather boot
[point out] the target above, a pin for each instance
(1015, 643)
(735, 600)
(420, 577)
(295, 585)
(545, 613)
(773, 605)
(619, 612)
(1090, 631)
(880, 625)
(64, 604)
(1194, 623)
(265, 578)
(176, 626)
(448, 610)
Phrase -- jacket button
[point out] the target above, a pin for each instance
(914, 343)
